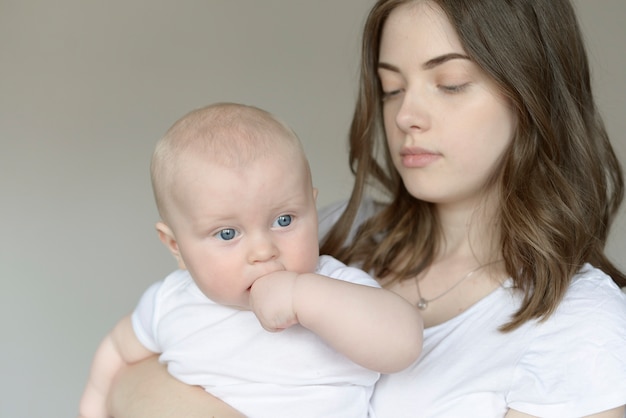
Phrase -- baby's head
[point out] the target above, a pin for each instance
(234, 192)
(228, 134)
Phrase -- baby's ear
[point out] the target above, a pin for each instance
(169, 240)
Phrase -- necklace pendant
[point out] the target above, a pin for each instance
(422, 304)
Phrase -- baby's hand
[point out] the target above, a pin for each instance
(271, 300)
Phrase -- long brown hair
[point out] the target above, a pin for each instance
(560, 183)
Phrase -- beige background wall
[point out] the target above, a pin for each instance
(87, 87)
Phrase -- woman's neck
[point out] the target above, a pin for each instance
(469, 232)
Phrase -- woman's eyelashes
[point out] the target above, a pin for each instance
(453, 88)
(386, 95)
(447, 88)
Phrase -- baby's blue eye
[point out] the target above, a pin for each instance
(227, 234)
(283, 220)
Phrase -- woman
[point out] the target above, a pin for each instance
(501, 185)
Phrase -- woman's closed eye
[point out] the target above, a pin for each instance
(386, 95)
(453, 88)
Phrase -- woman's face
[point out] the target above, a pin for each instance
(447, 125)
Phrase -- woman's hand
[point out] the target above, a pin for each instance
(147, 390)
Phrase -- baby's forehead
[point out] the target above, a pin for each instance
(230, 135)
(236, 148)
(281, 176)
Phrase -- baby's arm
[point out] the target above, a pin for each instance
(373, 327)
(119, 348)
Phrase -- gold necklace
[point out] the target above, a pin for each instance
(422, 303)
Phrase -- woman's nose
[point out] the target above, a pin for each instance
(413, 112)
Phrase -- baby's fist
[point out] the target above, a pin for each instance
(271, 300)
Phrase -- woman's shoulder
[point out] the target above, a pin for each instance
(593, 307)
(329, 215)
(591, 286)
(577, 356)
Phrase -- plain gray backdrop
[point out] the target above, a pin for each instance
(87, 87)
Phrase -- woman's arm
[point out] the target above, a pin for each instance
(118, 349)
(147, 390)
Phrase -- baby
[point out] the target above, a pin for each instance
(237, 206)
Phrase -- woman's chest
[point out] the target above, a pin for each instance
(445, 305)
(467, 368)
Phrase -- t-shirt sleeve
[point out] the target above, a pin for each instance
(331, 267)
(576, 365)
(143, 318)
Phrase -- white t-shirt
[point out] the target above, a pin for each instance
(288, 374)
(571, 365)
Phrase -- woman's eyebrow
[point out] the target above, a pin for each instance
(431, 63)
(386, 66)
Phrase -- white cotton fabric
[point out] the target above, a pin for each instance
(286, 374)
(571, 365)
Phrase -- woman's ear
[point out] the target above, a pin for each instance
(315, 193)
(169, 240)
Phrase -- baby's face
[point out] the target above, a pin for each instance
(236, 224)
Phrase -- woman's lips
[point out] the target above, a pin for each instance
(417, 157)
